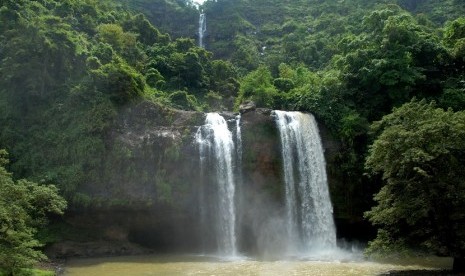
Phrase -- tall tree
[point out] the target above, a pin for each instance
(420, 153)
(24, 206)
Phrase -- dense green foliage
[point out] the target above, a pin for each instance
(420, 153)
(69, 67)
(300, 31)
(24, 206)
(176, 17)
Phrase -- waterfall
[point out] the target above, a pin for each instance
(216, 145)
(310, 224)
(202, 28)
(239, 149)
(239, 180)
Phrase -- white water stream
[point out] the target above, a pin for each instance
(202, 28)
(310, 223)
(216, 142)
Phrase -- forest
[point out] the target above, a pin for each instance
(386, 77)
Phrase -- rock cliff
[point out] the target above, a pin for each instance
(149, 192)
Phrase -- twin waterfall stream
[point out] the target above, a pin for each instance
(307, 218)
(308, 205)
(308, 214)
(216, 142)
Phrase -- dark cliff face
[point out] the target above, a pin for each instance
(147, 193)
(150, 190)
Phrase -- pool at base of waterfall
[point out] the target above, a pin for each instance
(211, 265)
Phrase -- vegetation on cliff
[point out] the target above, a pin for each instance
(69, 68)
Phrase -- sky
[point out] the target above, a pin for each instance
(199, 1)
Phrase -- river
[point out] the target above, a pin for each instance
(203, 265)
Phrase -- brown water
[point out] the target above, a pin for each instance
(199, 265)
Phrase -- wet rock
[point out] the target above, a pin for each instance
(70, 249)
(247, 107)
(227, 115)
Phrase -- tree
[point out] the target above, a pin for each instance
(420, 153)
(258, 87)
(223, 77)
(24, 206)
(246, 54)
(148, 34)
(120, 81)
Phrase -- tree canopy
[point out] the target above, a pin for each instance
(420, 152)
(24, 207)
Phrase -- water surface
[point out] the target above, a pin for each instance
(204, 265)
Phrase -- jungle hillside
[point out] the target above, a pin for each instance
(385, 77)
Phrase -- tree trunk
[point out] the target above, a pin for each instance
(459, 265)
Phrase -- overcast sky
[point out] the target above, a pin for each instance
(199, 1)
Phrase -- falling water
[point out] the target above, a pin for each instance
(239, 181)
(202, 206)
(216, 142)
(239, 149)
(202, 28)
(310, 224)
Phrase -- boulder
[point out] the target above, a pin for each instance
(247, 107)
